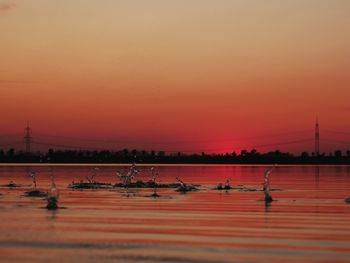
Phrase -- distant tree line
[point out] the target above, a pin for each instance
(131, 156)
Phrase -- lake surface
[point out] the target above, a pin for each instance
(308, 222)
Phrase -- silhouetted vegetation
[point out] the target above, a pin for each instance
(132, 156)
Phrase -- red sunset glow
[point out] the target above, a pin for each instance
(177, 75)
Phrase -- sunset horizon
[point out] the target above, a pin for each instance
(295, 142)
(150, 75)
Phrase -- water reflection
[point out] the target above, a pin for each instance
(203, 226)
(267, 207)
(51, 215)
(317, 177)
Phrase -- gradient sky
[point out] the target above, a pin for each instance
(176, 75)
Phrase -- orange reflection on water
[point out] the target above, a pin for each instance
(309, 220)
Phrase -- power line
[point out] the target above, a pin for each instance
(145, 142)
(183, 151)
(68, 146)
(248, 147)
(10, 144)
(336, 141)
(172, 142)
(337, 132)
(9, 135)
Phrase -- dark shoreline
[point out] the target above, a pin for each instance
(125, 156)
(110, 164)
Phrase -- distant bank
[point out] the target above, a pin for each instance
(151, 157)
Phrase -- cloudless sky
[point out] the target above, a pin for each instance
(177, 75)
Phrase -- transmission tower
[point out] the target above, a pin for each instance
(27, 137)
(317, 138)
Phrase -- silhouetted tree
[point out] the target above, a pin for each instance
(11, 152)
(338, 154)
(161, 154)
(304, 154)
(243, 152)
(126, 152)
(126, 156)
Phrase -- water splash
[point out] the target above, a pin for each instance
(154, 173)
(90, 178)
(90, 182)
(266, 185)
(155, 176)
(33, 175)
(185, 187)
(52, 195)
(126, 178)
(225, 186)
(35, 192)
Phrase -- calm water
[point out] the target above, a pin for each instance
(309, 221)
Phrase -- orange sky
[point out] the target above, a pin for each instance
(176, 75)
